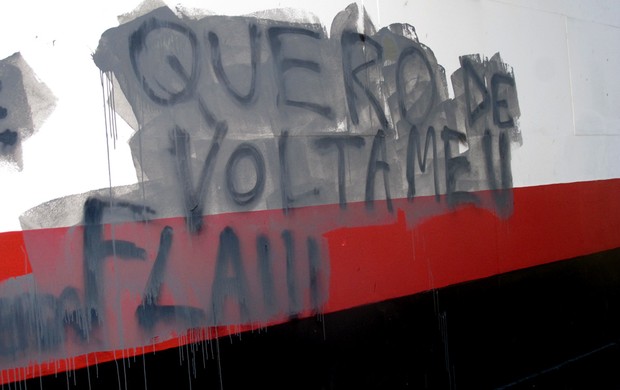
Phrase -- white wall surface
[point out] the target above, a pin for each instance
(564, 55)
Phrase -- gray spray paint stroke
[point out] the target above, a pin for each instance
(334, 118)
(264, 79)
(263, 116)
(25, 103)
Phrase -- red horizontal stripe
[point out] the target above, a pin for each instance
(375, 256)
(14, 256)
(549, 223)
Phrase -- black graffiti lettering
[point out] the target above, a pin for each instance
(469, 74)
(350, 73)
(162, 67)
(285, 190)
(12, 339)
(3, 111)
(455, 165)
(428, 87)
(138, 45)
(208, 116)
(150, 312)
(50, 319)
(47, 316)
(205, 112)
(388, 78)
(225, 285)
(249, 152)
(294, 300)
(70, 305)
(39, 322)
(314, 262)
(413, 150)
(181, 151)
(496, 81)
(288, 199)
(156, 277)
(8, 137)
(283, 64)
(96, 249)
(194, 198)
(30, 322)
(218, 68)
(263, 250)
(377, 161)
(502, 193)
(340, 142)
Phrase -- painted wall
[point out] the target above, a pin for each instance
(176, 173)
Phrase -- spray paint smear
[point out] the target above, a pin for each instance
(241, 123)
(222, 104)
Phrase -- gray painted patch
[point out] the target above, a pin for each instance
(281, 86)
(25, 103)
(237, 114)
